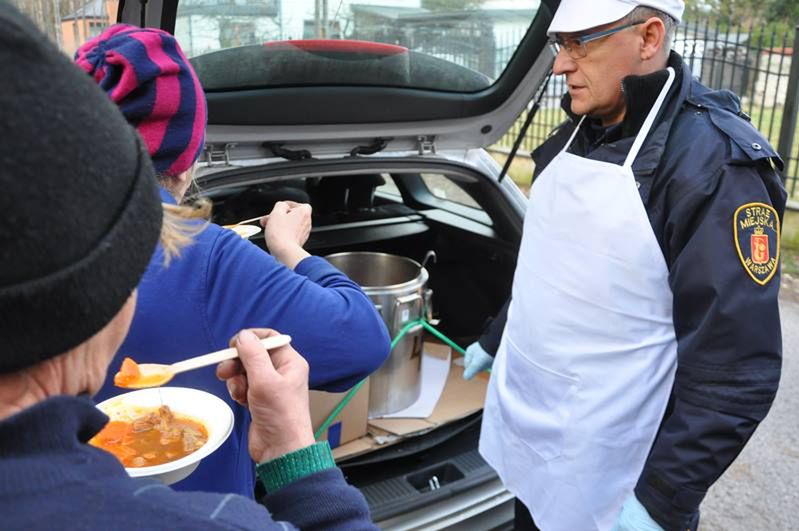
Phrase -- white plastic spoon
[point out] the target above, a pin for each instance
(242, 222)
(157, 374)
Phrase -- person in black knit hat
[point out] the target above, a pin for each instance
(80, 217)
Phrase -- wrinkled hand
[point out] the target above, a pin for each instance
(634, 517)
(274, 387)
(475, 360)
(286, 229)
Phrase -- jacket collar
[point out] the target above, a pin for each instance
(44, 447)
(59, 423)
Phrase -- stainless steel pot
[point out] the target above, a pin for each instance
(397, 286)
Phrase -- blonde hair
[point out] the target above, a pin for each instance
(181, 226)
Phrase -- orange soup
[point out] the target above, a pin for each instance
(155, 438)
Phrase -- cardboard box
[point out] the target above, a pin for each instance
(350, 423)
(460, 399)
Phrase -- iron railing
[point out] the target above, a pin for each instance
(754, 64)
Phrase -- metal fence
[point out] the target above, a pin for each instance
(754, 64)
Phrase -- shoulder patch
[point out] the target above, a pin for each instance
(756, 228)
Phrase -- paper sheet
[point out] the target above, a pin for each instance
(435, 369)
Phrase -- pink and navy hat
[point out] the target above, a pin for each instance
(146, 74)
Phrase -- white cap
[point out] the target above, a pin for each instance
(579, 15)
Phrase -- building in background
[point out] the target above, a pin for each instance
(70, 23)
(86, 22)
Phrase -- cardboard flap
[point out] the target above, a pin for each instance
(460, 399)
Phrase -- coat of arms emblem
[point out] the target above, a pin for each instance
(757, 240)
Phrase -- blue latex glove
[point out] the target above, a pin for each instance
(634, 517)
(475, 360)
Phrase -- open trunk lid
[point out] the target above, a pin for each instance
(298, 79)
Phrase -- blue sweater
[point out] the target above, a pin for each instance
(51, 479)
(222, 284)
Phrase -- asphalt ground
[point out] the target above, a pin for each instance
(760, 491)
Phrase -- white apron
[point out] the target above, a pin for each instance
(587, 359)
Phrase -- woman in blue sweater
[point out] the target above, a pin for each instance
(71, 255)
(223, 283)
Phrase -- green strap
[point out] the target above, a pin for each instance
(346, 400)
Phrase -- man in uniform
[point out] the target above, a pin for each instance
(641, 347)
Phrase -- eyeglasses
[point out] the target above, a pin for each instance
(575, 46)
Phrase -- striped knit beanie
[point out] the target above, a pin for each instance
(145, 72)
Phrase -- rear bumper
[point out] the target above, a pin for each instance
(435, 481)
(487, 506)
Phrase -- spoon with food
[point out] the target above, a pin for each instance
(134, 375)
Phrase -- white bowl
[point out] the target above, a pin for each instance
(213, 412)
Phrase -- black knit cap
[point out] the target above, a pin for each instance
(80, 213)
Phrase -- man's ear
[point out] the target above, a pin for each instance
(653, 38)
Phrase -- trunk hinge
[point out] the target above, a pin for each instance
(278, 150)
(377, 145)
(426, 144)
(216, 155)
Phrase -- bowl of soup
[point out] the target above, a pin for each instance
(163, 432)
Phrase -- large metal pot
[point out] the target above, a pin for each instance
(397, 286)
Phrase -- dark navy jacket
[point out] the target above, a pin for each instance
(51, 479)
(701, 163)
(221, 284)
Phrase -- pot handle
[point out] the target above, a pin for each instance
(405, 310)
(427, 307)
(430, 255)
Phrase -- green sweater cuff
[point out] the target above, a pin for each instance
(281, 471)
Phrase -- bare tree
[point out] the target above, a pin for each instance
(46, 14)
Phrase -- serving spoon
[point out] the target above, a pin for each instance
(242, 222)
(138, 376)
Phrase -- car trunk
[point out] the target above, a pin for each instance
(385, 205)
(376, 117)
(475, 248)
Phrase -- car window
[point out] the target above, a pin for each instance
(390, 187)
(443, 188)
(452, 45)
